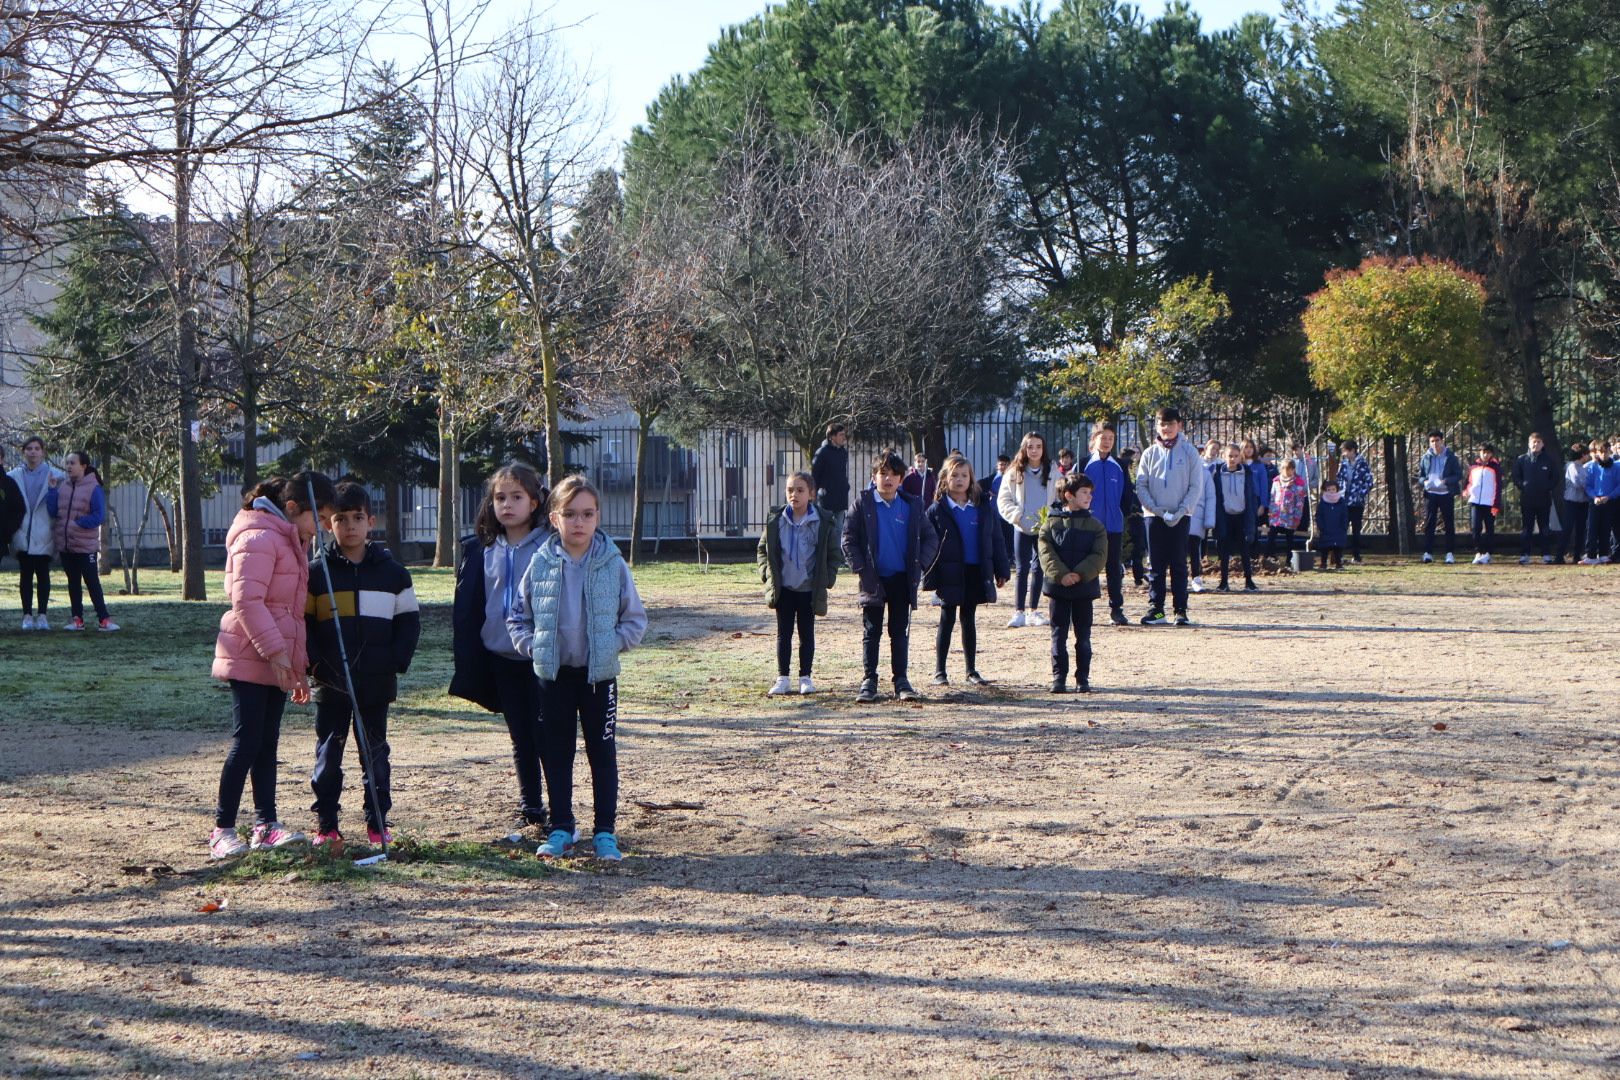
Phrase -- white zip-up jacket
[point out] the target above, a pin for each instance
(35, 536)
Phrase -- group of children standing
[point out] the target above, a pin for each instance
(544, 605)
(48, 512)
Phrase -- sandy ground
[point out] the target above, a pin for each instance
(1354, 825)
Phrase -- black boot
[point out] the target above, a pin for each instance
(1082, 670)
(1060, 674)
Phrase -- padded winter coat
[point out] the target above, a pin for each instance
(948, 575)
(823, 566)
(267, 581)
(77, 508)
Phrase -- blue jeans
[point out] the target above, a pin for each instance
(1030, 577)
(256, 730)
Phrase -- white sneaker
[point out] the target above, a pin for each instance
(1524, 560)
(936, 601)
(107, 626)
(1588, 561)
(1427, 557)
(1481, 558)
(805, 685)
(41, 622)
(1546, 560)
(1197, 584)
(1038, 618)
(783, 685)
(1016, 621)
(1450, 558)
(28, 620)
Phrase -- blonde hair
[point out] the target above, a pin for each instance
(948, 469)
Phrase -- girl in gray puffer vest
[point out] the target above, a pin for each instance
(576, 610)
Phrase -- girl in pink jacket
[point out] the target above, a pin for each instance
(260, 650)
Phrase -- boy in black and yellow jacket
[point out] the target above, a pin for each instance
(378, 612)
(1073, 548)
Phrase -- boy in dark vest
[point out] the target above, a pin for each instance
(381, 622)
(1073, 548)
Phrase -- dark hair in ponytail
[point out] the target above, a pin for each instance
(280, 489)
(89, 469)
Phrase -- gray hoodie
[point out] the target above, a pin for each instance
(1169, 480)
(506, 568)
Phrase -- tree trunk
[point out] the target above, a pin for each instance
(1399, 493)
(551, 386)
(393, 517)
(250, 435)
(193, 586)
(169, 537)
(444, 549)
(933, 444)
(1526, 332)
(639, 497)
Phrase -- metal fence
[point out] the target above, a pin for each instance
(726, 485)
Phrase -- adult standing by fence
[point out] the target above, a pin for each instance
(1170, 483)
(1356, 481)
(1441, 475)
(1536, 474)
(829, 467)
(33, 539)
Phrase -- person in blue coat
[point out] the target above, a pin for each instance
(1110, 484)
(972, 563)
(1332, 525)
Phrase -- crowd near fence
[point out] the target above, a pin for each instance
(724, 487)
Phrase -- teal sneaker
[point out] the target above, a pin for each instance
(558, 844)
(607, 846)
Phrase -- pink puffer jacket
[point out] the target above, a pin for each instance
(267, 580)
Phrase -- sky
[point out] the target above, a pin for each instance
(635, 47)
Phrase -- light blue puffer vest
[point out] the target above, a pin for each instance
(602, 579)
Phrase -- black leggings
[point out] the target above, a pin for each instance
(1030, 578)
(81, 574)
(795, 609)
(972, 597)
(256, 730)
(1484, 523)
(36, 570)
(566, 702)
(518, 689)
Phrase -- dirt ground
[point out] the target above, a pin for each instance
(1360, 825)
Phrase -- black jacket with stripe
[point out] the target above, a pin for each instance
(381, 621)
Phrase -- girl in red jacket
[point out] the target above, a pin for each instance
(260, 650)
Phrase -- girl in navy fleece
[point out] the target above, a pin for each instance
(489, 671)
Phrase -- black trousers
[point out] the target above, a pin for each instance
(1271, 540)
(566, 702)
(1167, 550)
(519, 691)
(1070, 616)
(1234, 543)
(82, 573)
(897, 605)
(1195, 555)
(1598, 526)
(1484, 527)
(1442, 509)
(972, 597)
(1139, 547)
(1115, 572)
(1356, 511)
(333, 716)
(1572, 541)
(1536, 520)
(35, 577)
(255, 733)
(795, 609)
(1030, 577)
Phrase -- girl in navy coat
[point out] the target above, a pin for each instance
(1332, 524)
(972, 562)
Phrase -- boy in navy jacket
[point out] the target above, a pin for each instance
(888, 545)
(381, 621)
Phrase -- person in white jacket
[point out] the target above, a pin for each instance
(1170, 484)
(35, 540)
(1028, 486)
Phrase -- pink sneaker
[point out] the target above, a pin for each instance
(225, 844)
(274, 835)
(328, 840)
(377, 839)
